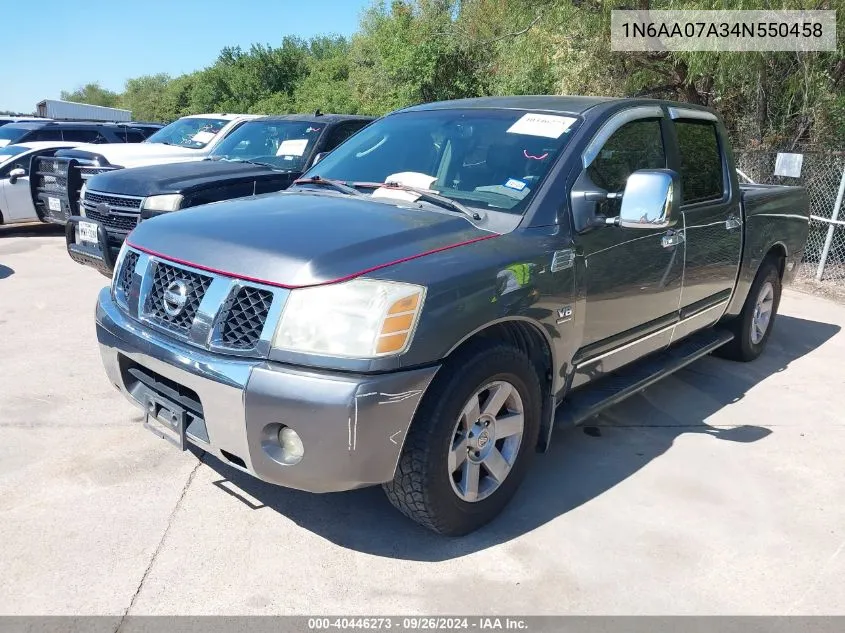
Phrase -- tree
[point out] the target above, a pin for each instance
(92, 94)
(146, 96)
(326, 86)
(412, 51)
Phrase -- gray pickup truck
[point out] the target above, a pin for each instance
(427, 302)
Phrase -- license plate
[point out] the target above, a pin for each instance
(166, 420)
(87, 232)
(55, 204)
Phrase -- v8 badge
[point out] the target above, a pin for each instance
(564, 314)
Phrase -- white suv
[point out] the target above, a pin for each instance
(186, 139)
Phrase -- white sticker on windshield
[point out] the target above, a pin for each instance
(412, 179)
(202, 137)
(295, 147)
(548, 125)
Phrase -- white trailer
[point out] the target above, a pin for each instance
(55, 109)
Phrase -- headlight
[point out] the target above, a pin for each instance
(169, 202)
(362, 318)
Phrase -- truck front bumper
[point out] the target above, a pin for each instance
(352, 426)
(100, 256)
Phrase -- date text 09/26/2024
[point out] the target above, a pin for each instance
(417, 623)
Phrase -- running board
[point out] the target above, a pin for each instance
(592, 399)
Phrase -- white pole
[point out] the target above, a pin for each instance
(833, 222)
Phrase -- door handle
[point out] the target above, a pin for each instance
(733, 222)
(672, 239)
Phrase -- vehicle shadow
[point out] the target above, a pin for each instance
(34, 229)
(581, 464)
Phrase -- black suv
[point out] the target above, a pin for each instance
(84, 132)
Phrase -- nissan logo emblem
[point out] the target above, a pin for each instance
(175, 297)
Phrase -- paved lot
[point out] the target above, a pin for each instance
(719, 491)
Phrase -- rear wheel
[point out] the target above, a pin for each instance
(752, 327)
(471, 440)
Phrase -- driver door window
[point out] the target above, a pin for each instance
(635, 145)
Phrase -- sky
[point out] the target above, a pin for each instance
(69, 44)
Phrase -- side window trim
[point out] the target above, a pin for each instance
(612, 125)
(689, 113)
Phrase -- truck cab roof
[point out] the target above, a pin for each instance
(562, 104)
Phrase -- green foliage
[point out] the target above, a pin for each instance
(92, 94)
(411, 51)
(145, 96)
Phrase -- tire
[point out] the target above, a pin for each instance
(747, 343)
(424, 487)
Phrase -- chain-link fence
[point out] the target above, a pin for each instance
(822, 175)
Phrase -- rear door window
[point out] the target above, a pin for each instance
(81, 135)
(702, 176)
(341, 132)
(47, 134)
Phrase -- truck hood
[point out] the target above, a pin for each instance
(300, 239)
(138, 154)
(179, 178)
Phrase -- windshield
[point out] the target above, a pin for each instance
(12, 150)
(11, 133)
(191, 132)
(281, 144)
(493, 159)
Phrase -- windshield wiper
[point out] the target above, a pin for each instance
(325, 182)
(423, 194)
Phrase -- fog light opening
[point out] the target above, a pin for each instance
(291, 444)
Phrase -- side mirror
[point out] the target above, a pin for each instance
(318, 157)
(651, 199)
(15, 174)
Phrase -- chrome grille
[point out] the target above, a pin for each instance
(163, 276)
(124, 202)
(124, 281)
(124, 211)
(244, 317)
(221, 313)
(120, 223)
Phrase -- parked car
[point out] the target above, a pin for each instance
(440, 290)
(15, 164)
(261, 156)
(187, 139)
(34, 131)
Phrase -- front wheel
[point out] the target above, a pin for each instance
(471, 440)
(753, 325)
